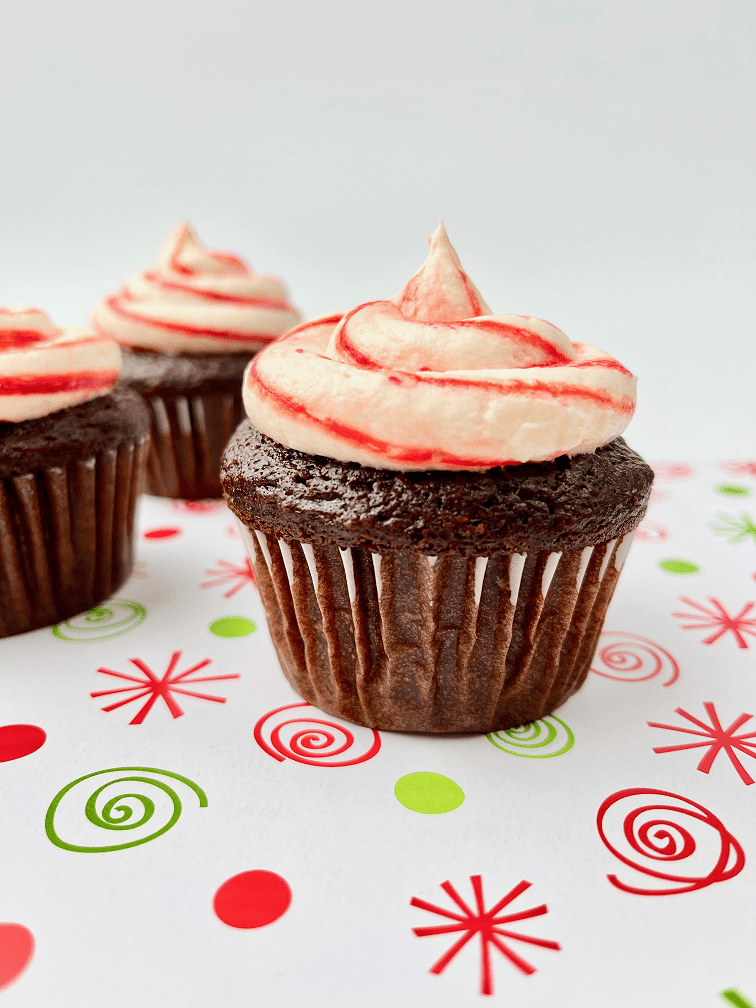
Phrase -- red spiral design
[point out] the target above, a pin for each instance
(651, 532)
(665, 840)
(316, 744)
(308, 741)
(636, 658)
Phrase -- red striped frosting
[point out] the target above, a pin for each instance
(44, 369)
(432, 380)
(196, 301)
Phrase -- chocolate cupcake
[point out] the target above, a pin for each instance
(73, 447)
(191, 326)
(437, 506)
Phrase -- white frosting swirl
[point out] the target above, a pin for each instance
(44, 369)
(432, 380)
(196, 301)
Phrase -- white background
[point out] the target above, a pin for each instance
(593, 162)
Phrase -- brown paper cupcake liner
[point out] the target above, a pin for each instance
(66, 536)
(407, 642)
(189, 433)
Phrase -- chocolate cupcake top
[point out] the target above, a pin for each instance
(430, 379)
(77, 433)
(196, 301)
(565, 504)
(178, 374)
(44, 369)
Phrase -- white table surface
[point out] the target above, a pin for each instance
(137, 926)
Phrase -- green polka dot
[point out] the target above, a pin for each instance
(429, 793)
(232, 626)
(678, 566)
(733, 490)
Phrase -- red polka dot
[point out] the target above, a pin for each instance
(16, 949)
(252, 899)
(17, 740)
(162, 533)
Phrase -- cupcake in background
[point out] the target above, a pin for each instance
(437, 503)
(73, 446)
(188, 329)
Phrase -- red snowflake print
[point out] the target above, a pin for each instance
(487, 924)
(651, 532)
(717, 618)
(740, 468)
(716, 738)
(153, 688)
(236, 576)
(672, 472)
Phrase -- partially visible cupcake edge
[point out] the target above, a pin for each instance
(195, 405)
(75, 433)
(148, 372)
(67, 516)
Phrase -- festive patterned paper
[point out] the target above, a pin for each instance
(181, 829)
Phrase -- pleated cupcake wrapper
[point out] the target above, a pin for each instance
(66, 536)
(189, 434)
(407, 642)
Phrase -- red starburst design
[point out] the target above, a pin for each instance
(153, 688)
(740, 468)
(235, 575)
(721, 738)
(486, 923)
(718, 619)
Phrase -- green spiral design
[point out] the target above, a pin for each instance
(117, 816)
(533, 736)
(111, 619)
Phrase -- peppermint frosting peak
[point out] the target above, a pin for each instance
(183, 255)
(196, 301)
(432, 380)
(44, 369)
(440, 291)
